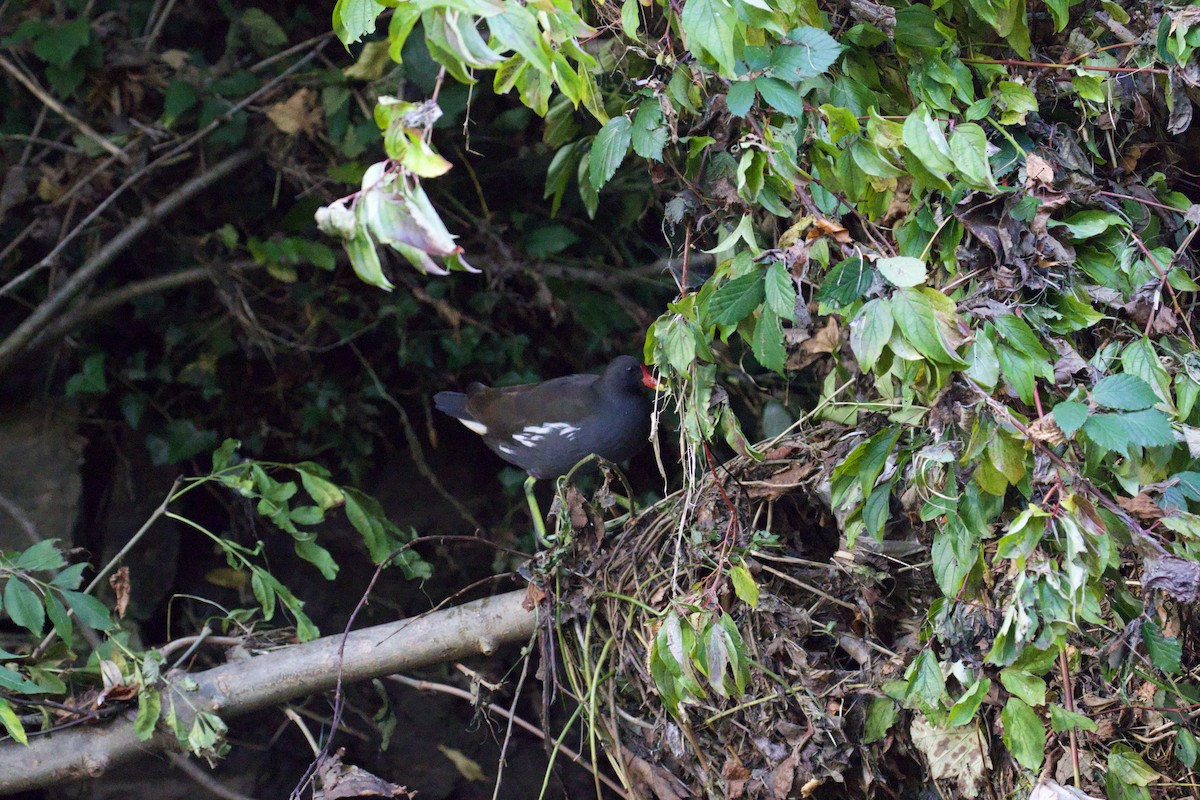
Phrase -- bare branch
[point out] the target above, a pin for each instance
(277, 677)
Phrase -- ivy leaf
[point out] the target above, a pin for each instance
(736, 299)
(780, 291)
(1070, 416)
(768, 341)
(609, 149)
(811, 53)
(708, 27)
(902, 271)
(1124, 393)
(1024, 735)
(649, 131)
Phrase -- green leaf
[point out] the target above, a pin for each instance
(881, 716)
(88, 610)
(969, 148)
(609, 149)
(1024, 735)
(1124, 392)
(926, 326)
(1166, 652)
(1108, 431)
(964, 708)
(870, 331)
(517, 29)
(1062, 720)
(916, 26)
(12, 723)
(925, 138)
(983, 363)
(780, 290)
(902, 271)
(737, 299)
(354, 18)
(743, 584)
(650, 131)
(768, 341)
(1019, 683)
(781, 96)
(1070, 416)
(1149, 428)
(13, 681)
(845, 283)
(1127, 766)
(148, 713)
(24, 606)
(1186, 748)
(740, 98)
(1140, 359)
(324, 493)
(60, 620)
(925, 680)
(1017, 334)
(1016, 101)
(42, 556)
(178, 99)
(1086, 224)
(811, 53)
(90, 379)
(708, 29)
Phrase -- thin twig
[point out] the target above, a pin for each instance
(57, 107)
(203, 779)
(430, 686)
(23, 520)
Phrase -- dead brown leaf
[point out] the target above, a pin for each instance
(826, 227)
(119, 581)
(826, 340)
(1038, 172)
(298, 114)
(1142, 506)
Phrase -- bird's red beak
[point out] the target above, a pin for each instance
(648, 379)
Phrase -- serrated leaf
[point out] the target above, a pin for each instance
(902, 271)
(768, 341)
(354, 18)
(708, 28)
(1108, 431)
(743, 584)
(1149, 428)
(1070, 416)
(1124, 393)
(517, 29)
(1024, 735)
(650, 131)
(44, 555)
(60, 619)
(1166, 652)
(812, 51)
(88, 610)
(737, 299)
(609, 149)
(845, 283)
(780, 290)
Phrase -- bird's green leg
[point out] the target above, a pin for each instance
(535, 511)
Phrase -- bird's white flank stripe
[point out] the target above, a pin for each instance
(475, 425)
(530, 435)
(506, 449)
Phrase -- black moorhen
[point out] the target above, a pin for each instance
(548, 428)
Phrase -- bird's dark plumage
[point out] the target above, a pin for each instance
(547, 428)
